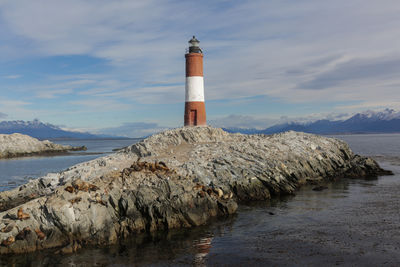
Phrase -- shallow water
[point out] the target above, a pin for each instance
(352, 223)
(17, 171)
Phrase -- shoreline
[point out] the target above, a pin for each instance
(20, 145)
(178, 193)
(48, 153)
(187, 243)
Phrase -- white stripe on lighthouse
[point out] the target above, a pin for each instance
(194, 89)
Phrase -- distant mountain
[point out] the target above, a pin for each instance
(387, 121)
(42, 130)
(242, 130)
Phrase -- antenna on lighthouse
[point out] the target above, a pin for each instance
(195, 110)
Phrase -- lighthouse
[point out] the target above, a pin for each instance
(195, 109)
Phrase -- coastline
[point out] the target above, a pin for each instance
(20, 145)
(320, 158)
(46, 153)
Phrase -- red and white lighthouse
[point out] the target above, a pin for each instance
(195, 109)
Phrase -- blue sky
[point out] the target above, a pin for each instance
(118, 66)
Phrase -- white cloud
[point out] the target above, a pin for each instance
(305, 51)
(99, 105)
(13, 103)
(259, 122)
(241, 121)
(16, 108)
(52, 93)
(362, 70)
(133, 129)
(12, 76)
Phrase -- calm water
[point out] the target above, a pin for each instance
(352, 223)
(14, 172)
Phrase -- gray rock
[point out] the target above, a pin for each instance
(17, 145)
(174, 179)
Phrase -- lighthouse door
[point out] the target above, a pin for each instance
(193, 117)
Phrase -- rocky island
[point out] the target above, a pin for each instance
(18, 145)
(174, 179)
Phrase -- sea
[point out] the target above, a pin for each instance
(354, 222)
(17, 171)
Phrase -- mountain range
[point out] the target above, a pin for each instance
(386, 121)
(42, 130)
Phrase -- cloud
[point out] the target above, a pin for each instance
(240, 121)
(12, 76)
(361, 69)
(305, 51)
(133, 129)
(6, 103)
(372, 104)
(16, 109)
(48, 94)
(3, 115)
(332, 116)
(101, 105)
(156, 94)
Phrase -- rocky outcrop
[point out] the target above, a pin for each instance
(178, 178)
(17, 145)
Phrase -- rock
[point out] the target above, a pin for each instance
(77, 148)
(8, 228)
(22, 235)
(70, 248)
(175, 179)
(17, 145)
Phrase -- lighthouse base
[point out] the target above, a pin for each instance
(195, 114)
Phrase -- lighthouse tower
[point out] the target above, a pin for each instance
(195, 110)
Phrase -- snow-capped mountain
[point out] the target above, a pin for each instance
(386, 121)
(42, 130)
(385, 115)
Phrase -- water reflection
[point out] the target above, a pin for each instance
(352, 221)
(166, 248)
(202, 246)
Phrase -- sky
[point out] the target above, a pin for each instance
(117, 67)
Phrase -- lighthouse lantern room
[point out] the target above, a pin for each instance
(195, 111)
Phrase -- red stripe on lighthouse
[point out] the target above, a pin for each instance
(194, 64)
(195, 114)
